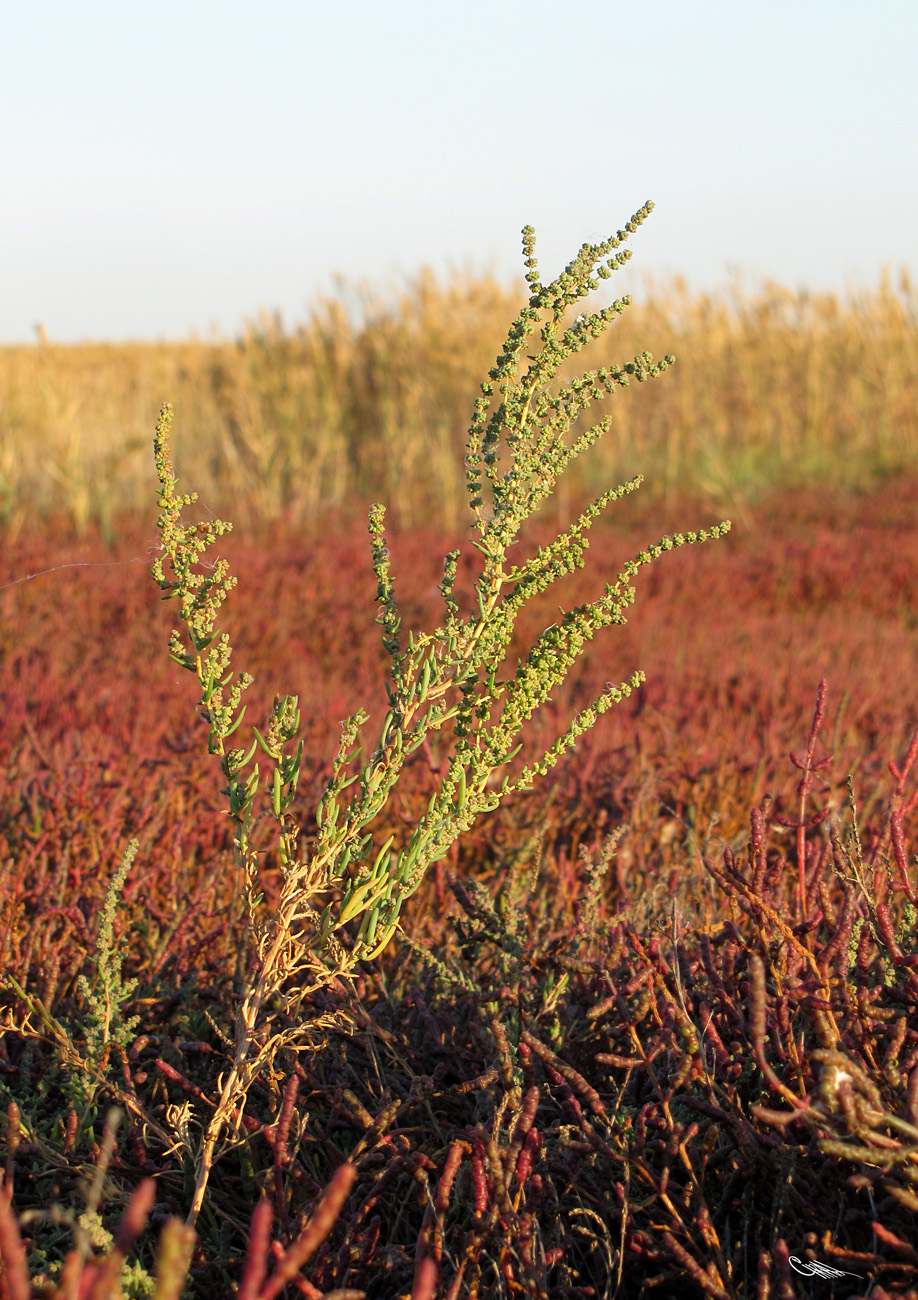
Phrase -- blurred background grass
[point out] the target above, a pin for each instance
(370, 399)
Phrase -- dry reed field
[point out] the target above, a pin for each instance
(371, 399)
(557, 980)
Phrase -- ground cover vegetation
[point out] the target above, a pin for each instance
(648, 1024)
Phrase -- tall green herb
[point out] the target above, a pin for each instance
(340, 903)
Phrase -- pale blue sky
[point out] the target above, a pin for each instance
(168, 167)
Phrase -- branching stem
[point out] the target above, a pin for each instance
(348, 883)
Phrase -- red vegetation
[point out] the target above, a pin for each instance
(662, 1067)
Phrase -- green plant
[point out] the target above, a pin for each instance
(104, 1024)
(101, 1020)
(340, 903)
